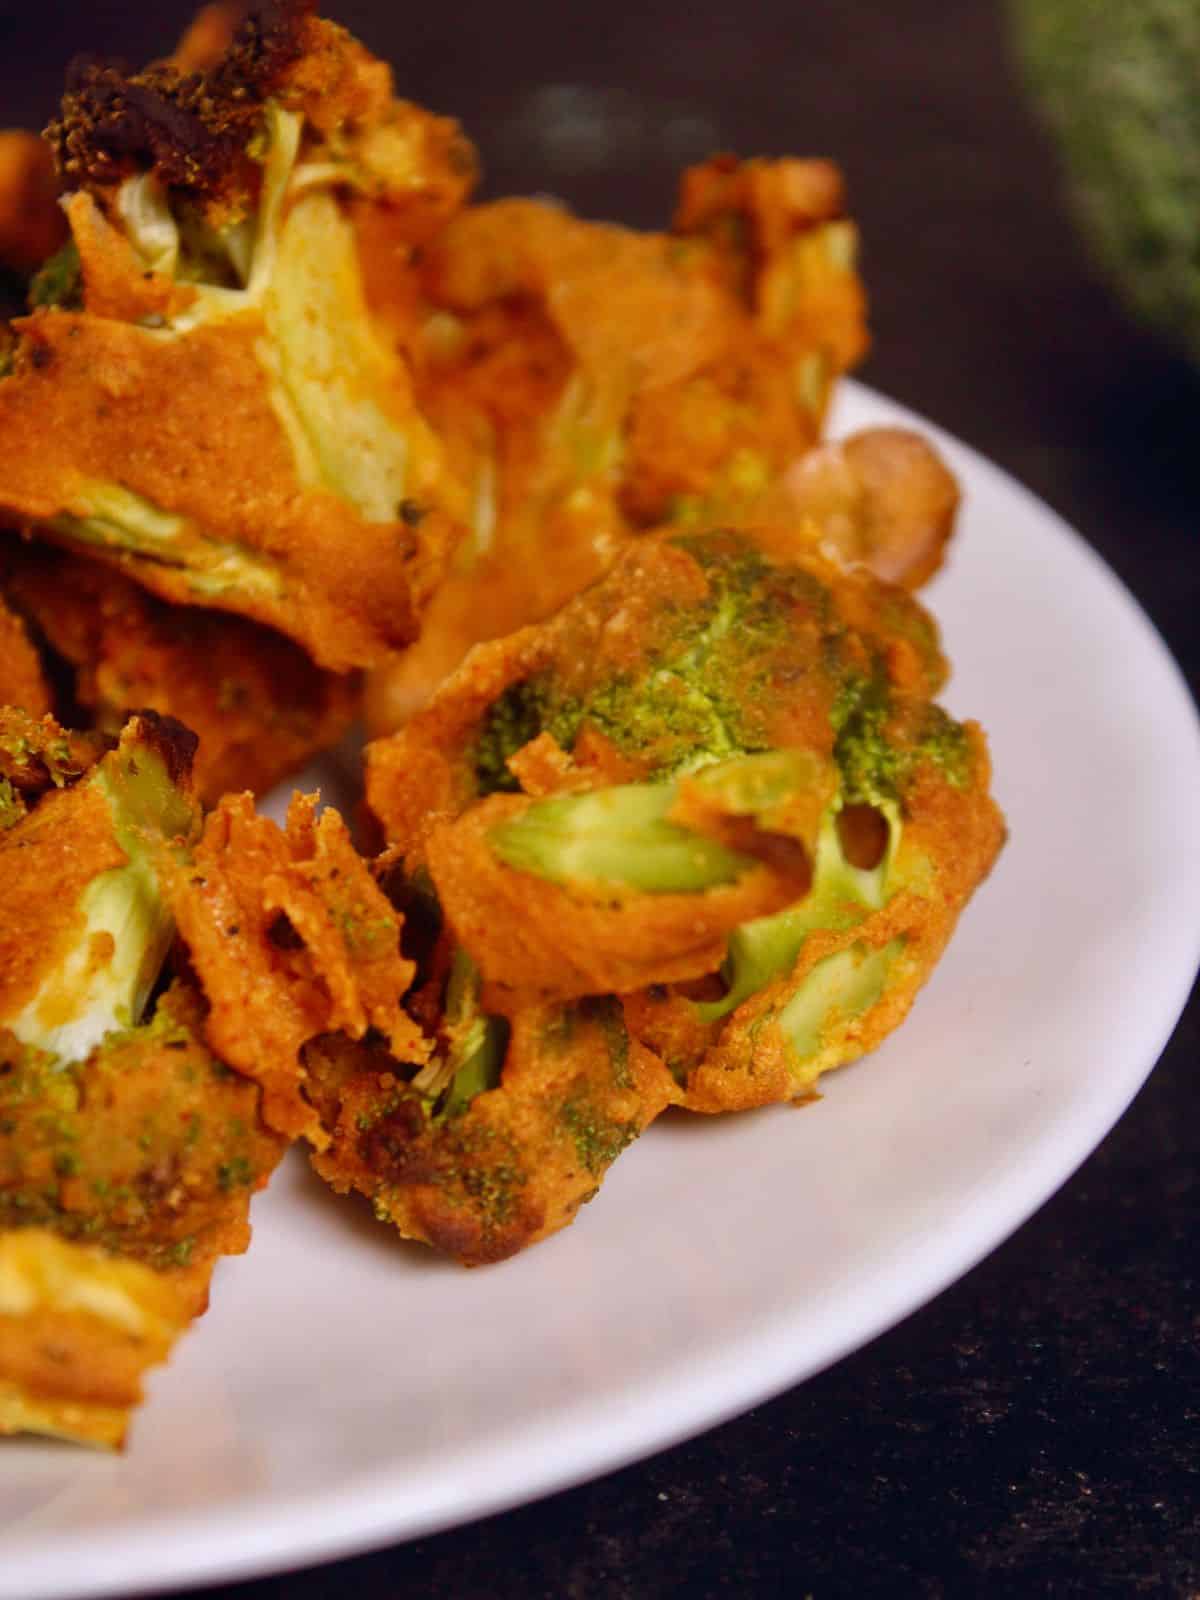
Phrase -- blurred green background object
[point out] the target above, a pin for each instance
(1118, 84)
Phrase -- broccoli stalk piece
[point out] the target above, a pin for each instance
(621, 836)
(90, 970)
(478, 1042)
(839, 988)
(841, 895)
(651, 837)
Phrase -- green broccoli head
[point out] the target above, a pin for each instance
(708, 665)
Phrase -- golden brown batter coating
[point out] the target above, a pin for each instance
(591, 382)
(258, 705)
(290, 938)
(484, 1177)
(203, 398)
(123, 1178)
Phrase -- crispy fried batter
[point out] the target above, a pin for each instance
(690, 648)
(259, 706)
(128, 1153)
(484, 1181)
(290, 938)
(37, 754)
(591, 382)
(97, 402)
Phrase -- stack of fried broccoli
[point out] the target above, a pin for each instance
(686, 829)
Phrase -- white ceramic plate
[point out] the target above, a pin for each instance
(347, 1390)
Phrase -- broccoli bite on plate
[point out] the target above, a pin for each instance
(717, 785)
(201, 396)
(128, 1152)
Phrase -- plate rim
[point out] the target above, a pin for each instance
(371, 1511)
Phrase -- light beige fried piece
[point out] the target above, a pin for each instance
(290, 938)
(22, 682)
(486, 1173)
(221, 417)
(32, 225)
(255, 700)
(882, 498)
(79, 1329)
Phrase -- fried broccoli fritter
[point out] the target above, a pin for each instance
(202, 397)
(257, 703)
(591, 382)
(503, 1135)
(128, 1152)
(478, 1131)
(705, 717)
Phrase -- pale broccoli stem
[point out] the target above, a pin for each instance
(122, 914)
(626, 836)
(840, 897)
(619, 837)
(477, 1048)
(112, 517)
(833, 993)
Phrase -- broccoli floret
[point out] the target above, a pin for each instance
(87, 969)
(12, 807)
(880, 742)
(703, 689)
(625, 836)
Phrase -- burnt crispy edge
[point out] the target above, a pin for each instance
(175, 744)
(191, 129)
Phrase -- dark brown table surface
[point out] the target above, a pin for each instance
(1036, 1430)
